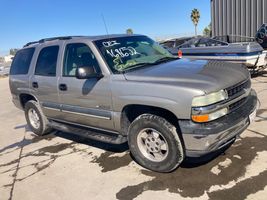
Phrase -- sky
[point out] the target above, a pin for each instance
(22, 21)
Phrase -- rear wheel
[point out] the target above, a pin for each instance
(155, 144)
(36, 119)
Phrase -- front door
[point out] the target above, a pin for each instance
(84, 101)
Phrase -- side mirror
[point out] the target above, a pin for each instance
(86, 72)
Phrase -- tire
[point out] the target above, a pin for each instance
(164, 153)
(41, 126)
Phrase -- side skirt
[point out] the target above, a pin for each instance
(89, 132)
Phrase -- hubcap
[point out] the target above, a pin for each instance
(152, 144)
(34, 118)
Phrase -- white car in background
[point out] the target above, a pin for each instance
(4, 70)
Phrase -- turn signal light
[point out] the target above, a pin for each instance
(200, 118)
(210, 116)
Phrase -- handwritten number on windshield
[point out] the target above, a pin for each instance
(122, 52)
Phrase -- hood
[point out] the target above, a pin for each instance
(207, 76)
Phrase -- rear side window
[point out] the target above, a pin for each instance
(47, 61)
(21, 62)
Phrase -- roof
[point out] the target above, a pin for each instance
(91, 38)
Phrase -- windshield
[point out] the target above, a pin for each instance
(129, 52)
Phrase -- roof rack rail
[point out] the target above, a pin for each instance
(30, 43)
(48, 39)
(55, 38)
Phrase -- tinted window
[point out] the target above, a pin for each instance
(206, 42)
(179, 42)
(191, 43)
(47, 61)
(78, 55)
(168, 44)
(22, 61)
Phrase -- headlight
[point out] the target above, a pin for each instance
(211, 116)
(209, 99)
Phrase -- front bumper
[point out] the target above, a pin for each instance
(204, 138)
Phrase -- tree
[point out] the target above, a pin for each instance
(195, 16)
(13, 51)
(207, 31)
(129, 31)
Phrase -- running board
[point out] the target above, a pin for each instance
(89, 133)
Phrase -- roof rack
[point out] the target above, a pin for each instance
(30, 43)
(48, 39)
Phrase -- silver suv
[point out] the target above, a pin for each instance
(130, 89)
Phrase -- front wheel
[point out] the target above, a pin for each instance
(155, 144)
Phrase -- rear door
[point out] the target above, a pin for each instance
(44, 80)
(84, 101)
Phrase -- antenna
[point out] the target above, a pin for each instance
(104, 21)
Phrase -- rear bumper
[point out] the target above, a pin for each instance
(201, 139)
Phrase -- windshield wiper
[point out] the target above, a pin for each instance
(143, 64)
(165, 59)
(137, 65)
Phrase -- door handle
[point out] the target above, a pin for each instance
(35, 85)
(63, 87)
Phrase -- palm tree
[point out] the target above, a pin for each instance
(195, 15)
(129, 31)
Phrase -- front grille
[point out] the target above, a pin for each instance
(238, 89)
(236, 105)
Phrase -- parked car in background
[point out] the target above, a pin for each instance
(127, 88)
(4, 70)
(250, 54)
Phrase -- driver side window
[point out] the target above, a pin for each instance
(78, 55)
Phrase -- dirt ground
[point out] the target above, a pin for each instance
(63, 166)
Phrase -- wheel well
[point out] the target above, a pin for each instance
(24, 98)
(131, 112)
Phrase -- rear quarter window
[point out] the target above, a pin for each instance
(21, 62)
